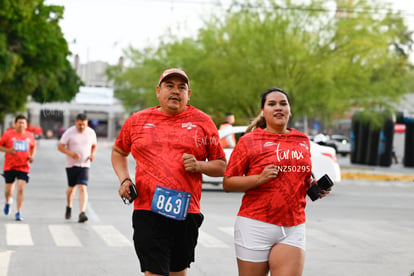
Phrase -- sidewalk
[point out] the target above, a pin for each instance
(396, 172)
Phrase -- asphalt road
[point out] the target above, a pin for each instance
(364, 227)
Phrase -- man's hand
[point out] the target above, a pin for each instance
(124, 190)
(190, 163)
(75, 155)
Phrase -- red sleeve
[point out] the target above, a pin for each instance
(123, 141)
(238, 163)
(4, 139)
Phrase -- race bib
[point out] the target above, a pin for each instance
(21, 145)
(171, 203)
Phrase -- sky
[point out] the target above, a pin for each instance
(99, 30)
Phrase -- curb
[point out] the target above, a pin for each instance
(378, 177)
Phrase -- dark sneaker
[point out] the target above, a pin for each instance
(19, 216)
(68, 213)
(6, 208)
(82, 217)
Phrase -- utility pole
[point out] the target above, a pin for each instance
(344, 8)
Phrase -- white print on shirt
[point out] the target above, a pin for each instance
(204, 141)
(268, 144)
(188, 125)
(148, 125)
(288, 154)
(304, 145)
(297, 169)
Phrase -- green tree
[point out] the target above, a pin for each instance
(33, 55)
(328, 64)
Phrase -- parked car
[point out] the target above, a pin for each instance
(323, 158)
(342, 143)
(323, 140)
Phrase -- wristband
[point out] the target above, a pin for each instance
(123, 181)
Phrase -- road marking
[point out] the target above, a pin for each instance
(4, 262)
(209, 241)
(229, 230)
(111, 236)
(18, 235)
(63, 236)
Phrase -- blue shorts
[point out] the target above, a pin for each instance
(77, 175)
(165, 245)
(10, 176)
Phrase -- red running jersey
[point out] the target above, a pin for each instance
(23, 144)
(157, 142)
(282, 200)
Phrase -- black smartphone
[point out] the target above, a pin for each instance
(313, 192)
(133, 193)
(324, 183)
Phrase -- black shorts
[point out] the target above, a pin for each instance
(162, 244)
(10, 176)
(77, 175)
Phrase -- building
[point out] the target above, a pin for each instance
(95, 99)
(105, 113)
(92, 73)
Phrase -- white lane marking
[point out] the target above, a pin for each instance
(63, 236)
(18, 235)
(209, 241)
(229, 230)
(4, 262)
(111, 236)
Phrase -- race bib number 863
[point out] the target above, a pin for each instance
(171, 203)
(20, 145)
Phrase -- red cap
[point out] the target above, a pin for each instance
(174, 72)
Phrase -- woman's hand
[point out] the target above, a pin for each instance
(324, 193)
(268, 173)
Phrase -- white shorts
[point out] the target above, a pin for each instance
(254, 239)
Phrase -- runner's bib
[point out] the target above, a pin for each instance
(171, 203)
(20, 145)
